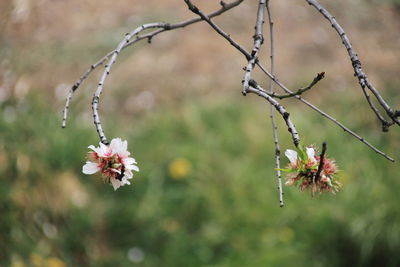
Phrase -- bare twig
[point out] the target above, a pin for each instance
(224, 7)
(272, 111)
(319, 77)
(227, 37)
(358, 72)
(258, 41)
(256, 89)
(99, 90)
(317, 175)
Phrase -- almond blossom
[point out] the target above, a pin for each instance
(303, 171)
(112, 161)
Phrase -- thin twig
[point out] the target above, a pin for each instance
(272, 111)
(224, 7)
(256, 89)
(326, 115)
(99, 90)
(358, 72)
(300, 91)
(227, 37)
(258, 41)
(317, 176)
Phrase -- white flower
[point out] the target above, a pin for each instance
(291, 155)
(113, 162)
(311, 155)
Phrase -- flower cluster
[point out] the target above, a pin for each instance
(303, 171)
(112, 161)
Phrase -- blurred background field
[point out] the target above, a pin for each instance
(206, 193)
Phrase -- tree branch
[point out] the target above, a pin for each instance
(226, 36)
(224, 7)
(326, 115)
(272, 111)
(319, 77)
(256, 89)
(106, 72)
(258, 41)
(358, 72)
(317, 175)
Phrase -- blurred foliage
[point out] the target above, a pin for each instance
(206, 193)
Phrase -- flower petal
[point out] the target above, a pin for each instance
(132, 167)
(128, 161)
(124, 145)
(95, 149)
(90, 168)
(125, 181)
(291, 155)
(311, 154)
(128, 174)
(115, 183)
(105, 150)
(119, 147)
(115, 143)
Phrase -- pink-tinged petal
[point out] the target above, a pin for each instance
(93, 156)
(90, 168)
(95, 149)
(124, 154)
(119, 147)
(128, 161)
(132, 167)
(291, 155)
(105, 150)
(326, 180)
(101, 150)
(115, 183)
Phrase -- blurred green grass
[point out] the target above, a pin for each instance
(221, 210)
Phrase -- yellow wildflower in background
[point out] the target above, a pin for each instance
(55, 262)
(179, 168)
(36, 260)
(39, 261)
(17, 263)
